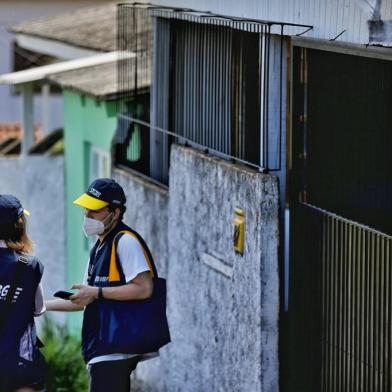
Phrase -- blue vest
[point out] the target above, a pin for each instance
(98, 276)
(22, 308)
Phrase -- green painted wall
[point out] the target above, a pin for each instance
(87, 122)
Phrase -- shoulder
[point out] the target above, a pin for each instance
(132, 256)
(34, 264)
(131, 237)
(129, 240)
(129, 244)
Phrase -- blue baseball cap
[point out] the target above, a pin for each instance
(101, 193)
(10, 209)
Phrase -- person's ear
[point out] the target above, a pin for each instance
(116, 213)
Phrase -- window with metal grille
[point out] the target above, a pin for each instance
(215, 83)
(132, 140)
(216, 88)
(206, 91)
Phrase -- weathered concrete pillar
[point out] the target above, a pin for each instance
(27, 117)
(45, 93)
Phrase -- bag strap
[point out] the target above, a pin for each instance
(114, 274)
(20, 268)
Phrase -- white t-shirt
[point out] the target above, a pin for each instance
(133, 262)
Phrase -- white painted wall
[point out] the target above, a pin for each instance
(38, 181)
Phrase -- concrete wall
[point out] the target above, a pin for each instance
(222, 307)
(147, 213)
(38, 181)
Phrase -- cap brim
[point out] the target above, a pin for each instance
(26, 212)
(89, 202)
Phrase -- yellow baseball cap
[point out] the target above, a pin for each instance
(102, 192)
(89, 202)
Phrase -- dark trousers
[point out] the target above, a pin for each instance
(112, 376)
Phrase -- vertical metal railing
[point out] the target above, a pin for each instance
(355, 276)
(208, 90)
(134, 43)
(212, 82)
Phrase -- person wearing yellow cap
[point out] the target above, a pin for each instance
(111, 275)
(22, 367)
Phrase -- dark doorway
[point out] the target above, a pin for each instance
(345, 161)
(340, 194)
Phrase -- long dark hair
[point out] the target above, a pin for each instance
(16, 237)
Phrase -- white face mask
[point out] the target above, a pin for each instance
(94, 226)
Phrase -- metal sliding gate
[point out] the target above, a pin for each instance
(341, 327)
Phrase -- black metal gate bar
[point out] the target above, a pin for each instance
(351, 262)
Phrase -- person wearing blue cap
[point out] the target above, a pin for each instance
(22, 366)
(114, 273)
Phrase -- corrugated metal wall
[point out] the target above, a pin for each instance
(329, 17)
(203, 85)
(160, 101)
(225, 94)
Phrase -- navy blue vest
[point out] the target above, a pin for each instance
(22, 308)
(98, 276)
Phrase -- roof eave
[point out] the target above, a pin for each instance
(55, 47)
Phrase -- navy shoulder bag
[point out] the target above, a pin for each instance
(135, 326)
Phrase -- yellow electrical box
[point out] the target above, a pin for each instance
(239, 231)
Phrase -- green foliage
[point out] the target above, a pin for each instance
(66, 368)
(57, 148)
